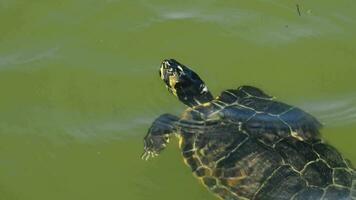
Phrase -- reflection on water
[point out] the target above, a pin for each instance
(21, 57)
(333, 111)
(269, 26)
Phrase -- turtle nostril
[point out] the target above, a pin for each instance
(159, 72)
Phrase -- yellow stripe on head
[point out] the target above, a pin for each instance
(172, 84)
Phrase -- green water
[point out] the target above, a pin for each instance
(79, 85)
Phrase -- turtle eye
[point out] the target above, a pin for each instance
(166, 64)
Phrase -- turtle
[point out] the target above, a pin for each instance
(246, 145)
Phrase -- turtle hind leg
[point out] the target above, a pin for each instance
(157, 137)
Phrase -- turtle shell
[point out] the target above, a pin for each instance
(258, 114)
(246, 145)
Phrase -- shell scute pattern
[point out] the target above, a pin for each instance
(209, 181)
(250, 102)
(203, 171)
(309, 193)
(229, 160)
(281, 185)
(317, 173)
(334, 192)
(342, 177)
(218, 140)
(253, 91)
(302, 123)
(239, 170)
(330, 154)
(228, 96)
(254, 141)
(295, 153)
(278, 108)
(267, 128)
(260, 112)
(236, 114)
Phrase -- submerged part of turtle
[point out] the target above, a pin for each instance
(246, 145)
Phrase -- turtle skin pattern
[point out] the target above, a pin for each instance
(245, 145)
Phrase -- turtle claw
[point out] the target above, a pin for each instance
(145, 156)
(153, 145)
(148, 154)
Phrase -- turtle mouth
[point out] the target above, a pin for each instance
(164, 72)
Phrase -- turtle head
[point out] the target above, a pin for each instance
(184, 83)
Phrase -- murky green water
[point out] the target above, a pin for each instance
(79, 85)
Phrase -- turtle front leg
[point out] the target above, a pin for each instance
(157, 137)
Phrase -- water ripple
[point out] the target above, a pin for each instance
(333, 111)
(256, 26)
(19, 58)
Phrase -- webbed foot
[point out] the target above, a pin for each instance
(158, 135)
